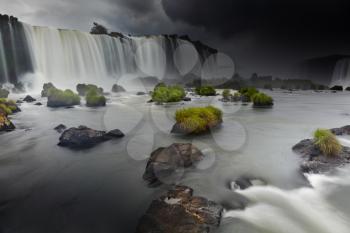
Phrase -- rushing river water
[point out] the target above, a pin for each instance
(46, 188)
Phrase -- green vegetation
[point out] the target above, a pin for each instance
(94, 99)
(237, 96)
(262, 100)
(226, 94)
(4, 93)
(7, 107)
(60, 98)
(198, 119)
(167, 94)
(46, 87)
(248, 93)
(327, 142)
(83, 89)
(205, 91)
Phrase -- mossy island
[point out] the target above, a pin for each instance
(261, 100)
(60, 98)
(205, 91)
(95, 99)
(196, 120)
(168, 94)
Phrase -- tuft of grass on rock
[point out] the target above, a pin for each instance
(94, 99)
(327, 142)
(197, 120)
(168, 94)
(262, 100)
(205, 91)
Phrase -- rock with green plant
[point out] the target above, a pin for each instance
(196, 120)
(59, 98)
(95, 99)
(7, 107)
(46, 87)
(247, 93)
(168, 94)
(83, 89)
(226, 95)
(205, 91)
(323, 153)
(4, 93)
(261, 100)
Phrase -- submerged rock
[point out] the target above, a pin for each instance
(178, 211)
(186, 99)
(83, 137)
(29, 99)
(315, 162)
(164, 162)
(38, 104)
(118, 88)
(141, 93)
(5, 123)
(60, 128)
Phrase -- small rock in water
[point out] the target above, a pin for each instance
(38, 104)
(83, 137)
(116, 133)
(29, 99)
(245, 182)
(164, 162)
(178, 211)
(19, 102)
(140, 93)
(186, 99)
(60, 128)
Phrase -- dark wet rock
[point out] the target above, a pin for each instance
(60, 128)
(164, 162)
(313, 161)
(178, 211)
(38, 104)
(150, 101)
(29, 99)
(83, 137)
(336, 88)
(118, 88)
(141, 93)
(245, 182)
(19, 102)
(186, 99)
(46, 88)
(5, 123)
(345, 130)
(116, 133)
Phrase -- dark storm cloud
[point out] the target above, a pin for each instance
(228, 17)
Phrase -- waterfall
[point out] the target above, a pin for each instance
(60, 55)
(341, 74)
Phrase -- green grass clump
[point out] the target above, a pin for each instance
(94, 99)
(198, 119)
(83, 89)
(60, 98)
(262, 100)
(327, 142)
(7, 107)
(167, 94)
(205, 91)
(248, 92)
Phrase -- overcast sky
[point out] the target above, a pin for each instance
(266, 36)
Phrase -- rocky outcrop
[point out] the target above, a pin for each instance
(178, 211)
(5, 123)
(313, 161)
(60, 128)
(84, 137)
(164, 162)
(117, 88)
(29, 99)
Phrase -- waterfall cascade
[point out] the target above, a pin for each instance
(341, 75)
(58, 55)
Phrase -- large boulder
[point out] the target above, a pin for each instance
(46, 88)
(29, 99)
(178, 211)
(59, 98)
(165, 162)
(5, 123)
(313, 161)
(83, 137)
(118, 88)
